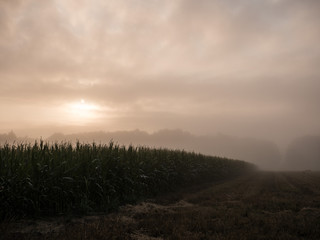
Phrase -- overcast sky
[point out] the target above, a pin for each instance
(240, 67)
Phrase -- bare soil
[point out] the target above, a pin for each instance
(263, 205)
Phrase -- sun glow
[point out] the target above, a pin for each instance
(82, 112)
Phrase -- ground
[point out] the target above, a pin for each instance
(262, 205)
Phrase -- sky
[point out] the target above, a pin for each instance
(240, 67)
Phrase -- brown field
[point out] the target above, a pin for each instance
(263, 205)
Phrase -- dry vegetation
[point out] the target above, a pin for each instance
(262, 205)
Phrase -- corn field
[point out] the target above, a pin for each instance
(43, 179)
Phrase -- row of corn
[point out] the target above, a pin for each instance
(44, 179)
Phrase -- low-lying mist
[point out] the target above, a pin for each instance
(302, 154)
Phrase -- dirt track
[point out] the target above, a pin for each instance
(264, 205)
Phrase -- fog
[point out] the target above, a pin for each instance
(243, 69)
(301, 154)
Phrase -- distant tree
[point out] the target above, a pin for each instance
(11, 136)
(304, 153)
(8, 138)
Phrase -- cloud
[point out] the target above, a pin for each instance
(216, 37)
(238, 64)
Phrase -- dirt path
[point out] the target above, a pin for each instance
(264, 205)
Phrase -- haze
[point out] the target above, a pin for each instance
(242, 68)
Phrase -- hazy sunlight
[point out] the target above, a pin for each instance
(82, 112)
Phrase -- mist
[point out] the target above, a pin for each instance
(301, 154)
(245, 70)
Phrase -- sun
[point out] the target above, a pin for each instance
(82, 112)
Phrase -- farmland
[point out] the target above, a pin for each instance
(44, 179)
(259, 205)
(90, 191)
